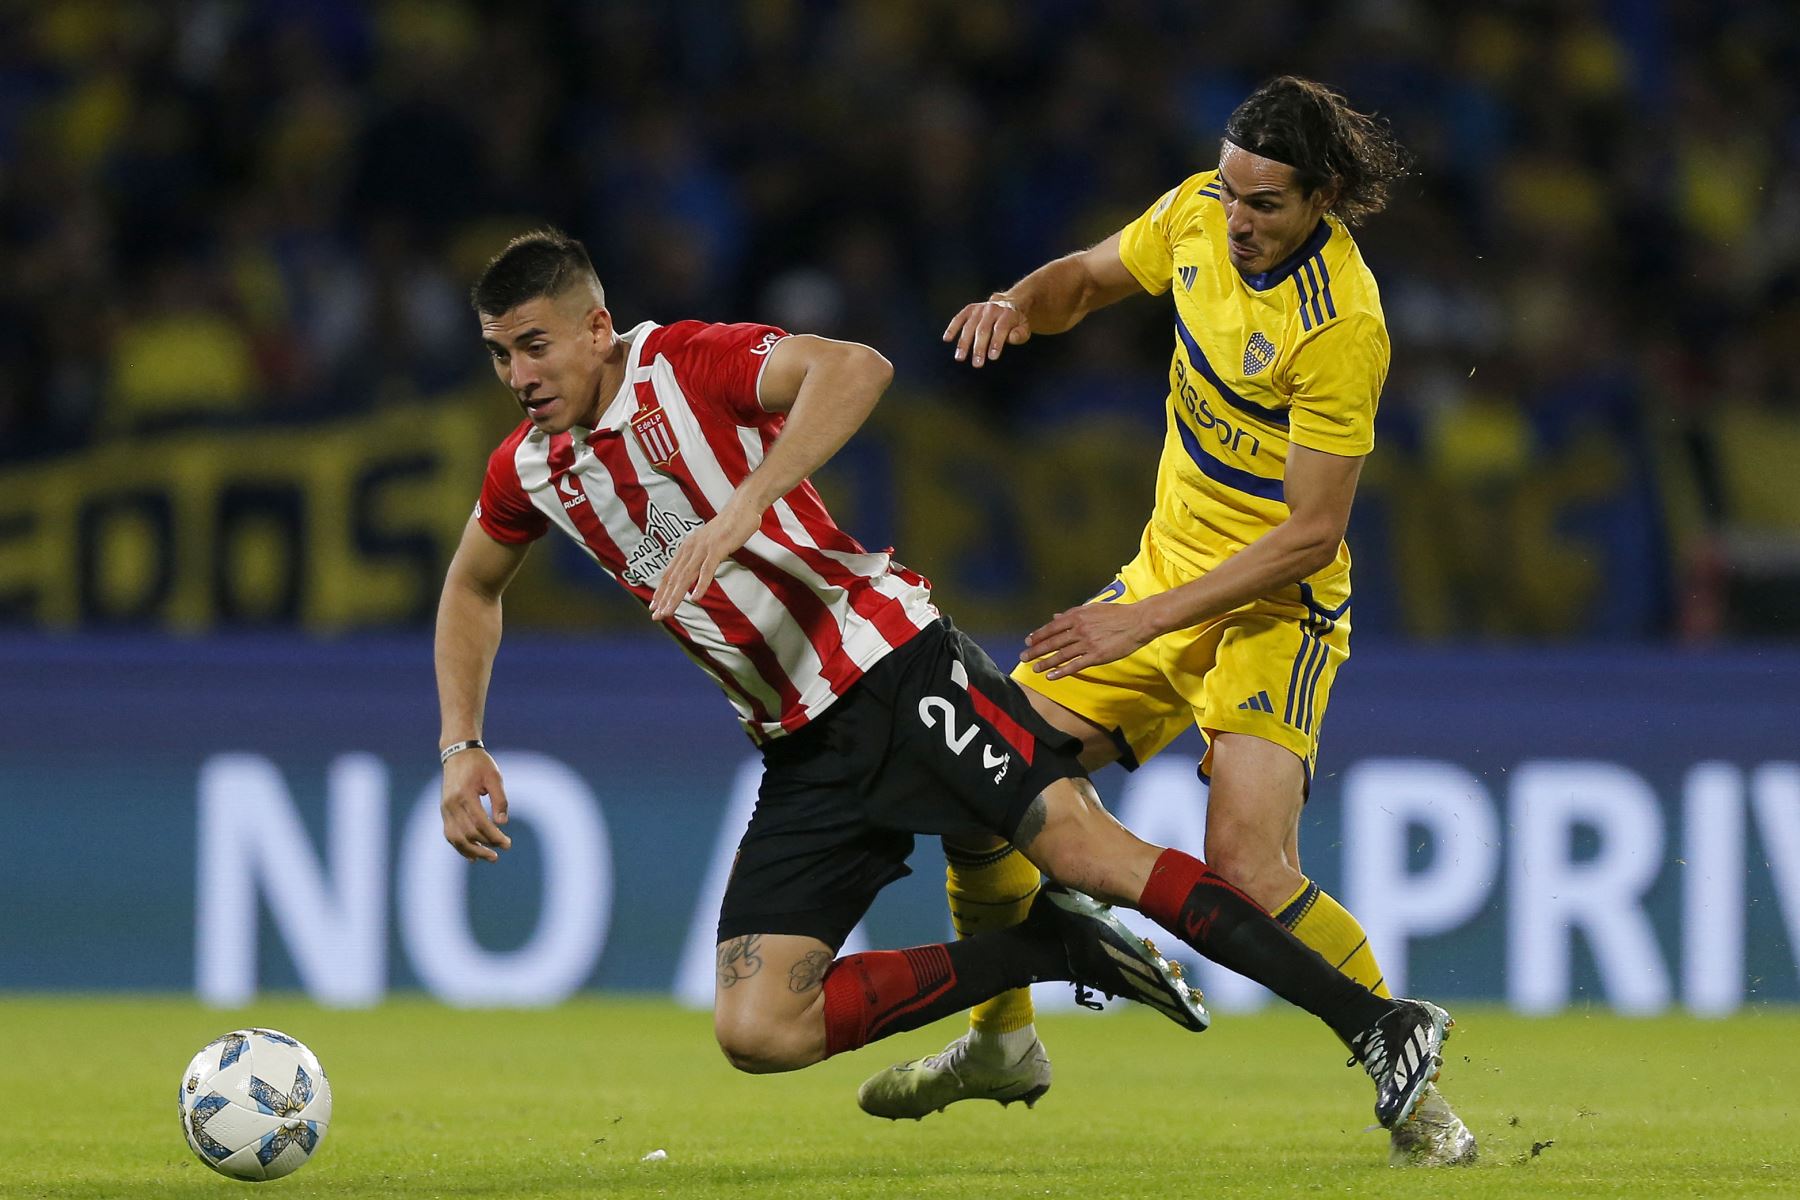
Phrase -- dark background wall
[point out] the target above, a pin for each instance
(235, 231)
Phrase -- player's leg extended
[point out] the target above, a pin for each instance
(1253, 836)
(990, 885)
(784, 1002)
(1261, 706)
(1260, 753)
(1253, 839)
(1077, 843)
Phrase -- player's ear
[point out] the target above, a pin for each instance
(600, 326)
(1328, 194)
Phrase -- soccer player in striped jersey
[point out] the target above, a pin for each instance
(677, 457)
(1235, 613)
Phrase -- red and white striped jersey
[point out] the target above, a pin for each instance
(790, 621)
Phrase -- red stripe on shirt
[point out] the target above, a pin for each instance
(612, 453)
(810, 613)
(885, 613)
(1015, 734)
(587, 522)
(736, 625)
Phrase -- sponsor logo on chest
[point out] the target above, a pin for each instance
(663, 532)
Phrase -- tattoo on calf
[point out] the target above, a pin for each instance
(1031, 824)
(738, 959)
(809, 972)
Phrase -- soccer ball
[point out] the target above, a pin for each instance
(255, 1104)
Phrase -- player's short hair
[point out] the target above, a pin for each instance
(1315, 131)
(544, 262)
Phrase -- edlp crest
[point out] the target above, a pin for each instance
(654, 434)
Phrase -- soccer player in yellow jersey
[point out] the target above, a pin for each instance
(1235, 613)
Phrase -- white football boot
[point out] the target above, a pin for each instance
(1435, 1137)
(926, 1085)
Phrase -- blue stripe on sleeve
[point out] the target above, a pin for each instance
(1330, 308)
(1311, 278)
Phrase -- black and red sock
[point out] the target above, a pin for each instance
(1186, 897)
(870, 996)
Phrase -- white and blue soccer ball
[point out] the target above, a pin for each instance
(255, 1104)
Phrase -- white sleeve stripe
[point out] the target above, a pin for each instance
(764, 368)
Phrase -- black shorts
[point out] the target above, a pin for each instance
(934, 739)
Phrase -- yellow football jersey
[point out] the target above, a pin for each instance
(1295, 355)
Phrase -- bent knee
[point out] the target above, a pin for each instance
(759, 1046)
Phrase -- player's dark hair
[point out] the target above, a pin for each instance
(1315, 131)
(543, 262)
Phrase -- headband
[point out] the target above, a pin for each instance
(1250, 147)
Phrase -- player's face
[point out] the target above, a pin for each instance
(551, 353)
(1266, 214)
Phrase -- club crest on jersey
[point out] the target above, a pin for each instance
(655, 436)
(1259, 352)
(1188, 275)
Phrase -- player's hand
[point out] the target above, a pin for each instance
(469, 776)
(691, 572)
(1086, 637)
(987, 328)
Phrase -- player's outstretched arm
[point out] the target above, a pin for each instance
(1320, 489)
(1051, 299)
(827, 389)
(468, 636)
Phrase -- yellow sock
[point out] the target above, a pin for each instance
(1328, 927)
(992, 889)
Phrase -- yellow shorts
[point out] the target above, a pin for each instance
(1264, 669)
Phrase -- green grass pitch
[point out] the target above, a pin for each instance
(436, 1102)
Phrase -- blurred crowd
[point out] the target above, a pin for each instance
(255, 210)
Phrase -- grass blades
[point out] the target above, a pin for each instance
(567, 1102)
